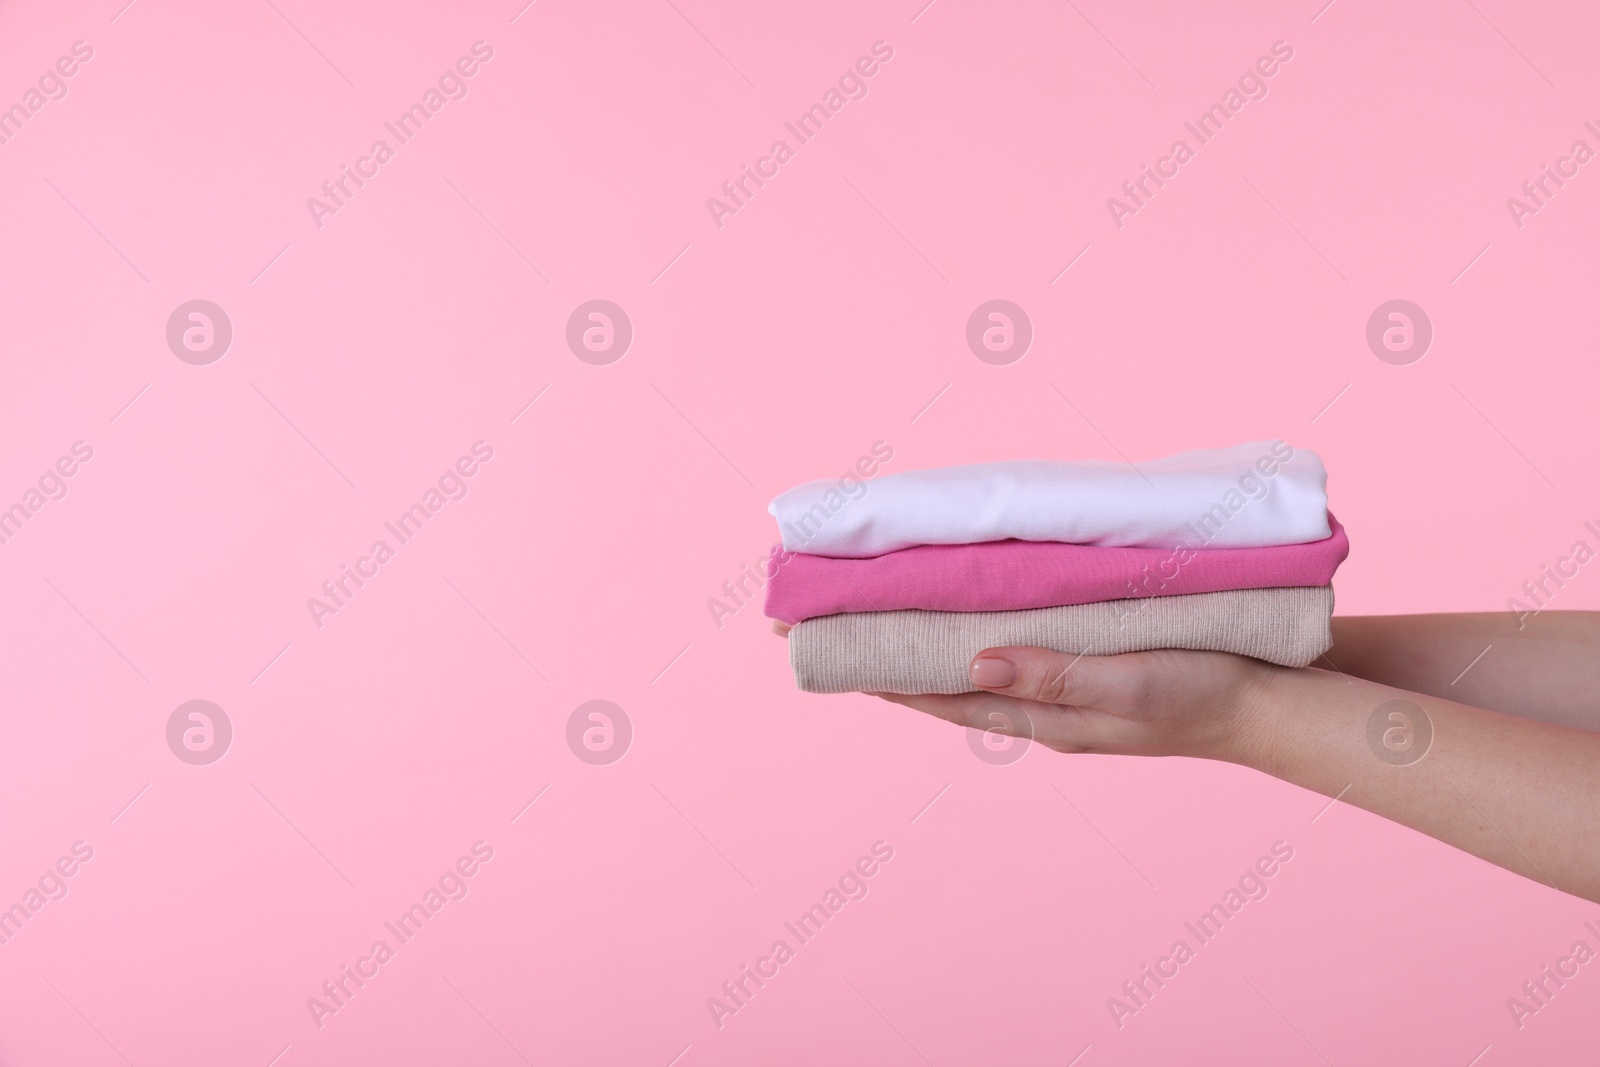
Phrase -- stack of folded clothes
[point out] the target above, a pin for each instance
(894, 585)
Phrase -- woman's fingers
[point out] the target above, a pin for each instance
(958, 709)
(980, 711)
(1055, 677)
(1063, 729)
(1161, 702)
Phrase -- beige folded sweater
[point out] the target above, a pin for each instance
(929, 651)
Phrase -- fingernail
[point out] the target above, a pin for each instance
(993, 673)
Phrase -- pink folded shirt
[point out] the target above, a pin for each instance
(1018, 575)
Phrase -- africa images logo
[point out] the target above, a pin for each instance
(451, 85)
(852, 85)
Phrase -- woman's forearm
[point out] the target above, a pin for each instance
(1522, 794)
(1487, 660)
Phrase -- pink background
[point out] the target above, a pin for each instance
(370, 753)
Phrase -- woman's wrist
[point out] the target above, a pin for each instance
(1224, 708)
(1284, 713)
(1255, 725)
(1311, 727)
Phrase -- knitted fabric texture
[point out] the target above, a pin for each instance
(1015, 575)
(917, 651)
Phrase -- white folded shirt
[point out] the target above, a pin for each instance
(1263, 493)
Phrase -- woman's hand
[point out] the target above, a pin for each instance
(1518, 792)
(1167, 702)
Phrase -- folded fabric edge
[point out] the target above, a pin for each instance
(775, 564)
(1307, 637)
